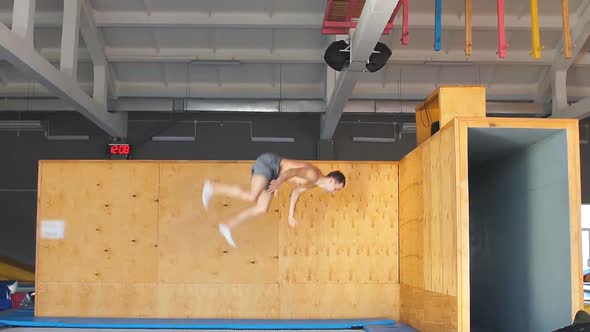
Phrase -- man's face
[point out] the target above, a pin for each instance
(333, 186)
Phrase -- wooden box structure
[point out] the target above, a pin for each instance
(490, 227)
(446, 103)
(477, 228)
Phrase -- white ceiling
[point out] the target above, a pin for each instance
(279, 46)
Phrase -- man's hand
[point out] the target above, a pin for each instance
(273, 186)
(292, 221)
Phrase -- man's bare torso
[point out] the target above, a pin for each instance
(287, 164)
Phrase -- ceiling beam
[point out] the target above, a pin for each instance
(399, 56)
(337, 101)
(311, 56)
(95, 45)
(262, 106)
(25, 58)
(262, 19)
(92, 36)
(3, 79)
(310, 89)
(559, 91)
(69, 39)
(147, 5)
(372, 22)
(42, 19)
(331, 74)
(497, 91)
(580, 34)
(579, 110)
(100, 84)
(307, 20)
(112, 82)
(23, 14)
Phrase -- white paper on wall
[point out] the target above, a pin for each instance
(52, 229)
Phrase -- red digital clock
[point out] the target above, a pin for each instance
(119, 149)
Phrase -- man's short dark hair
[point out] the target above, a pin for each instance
(338, 176)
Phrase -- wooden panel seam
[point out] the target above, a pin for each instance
(463, 296)
(575, 216)
(37, 226)
(158, 225)
(400, 265)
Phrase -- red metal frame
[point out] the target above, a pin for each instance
(405, 27)
(501, 30)
(342, 27)
(396, 10)
(352, 4)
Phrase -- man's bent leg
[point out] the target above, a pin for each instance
(258, 183)
(259, 209)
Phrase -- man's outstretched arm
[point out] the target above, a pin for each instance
(293, 202)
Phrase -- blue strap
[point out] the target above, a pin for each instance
(437, 24)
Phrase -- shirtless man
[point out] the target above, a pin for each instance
(268, 173)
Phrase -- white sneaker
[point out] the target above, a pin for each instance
(207, 193)
(12, 288)
(224, 230)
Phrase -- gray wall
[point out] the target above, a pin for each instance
(230, 141)
(519, 235)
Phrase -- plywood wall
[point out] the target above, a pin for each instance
(428, 235)
(137, 243)
(342, 258)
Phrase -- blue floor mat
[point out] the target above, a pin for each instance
(20, 318)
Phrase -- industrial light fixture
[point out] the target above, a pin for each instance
(408, 128)
(193, 138)
(25, 125)
(374, 139)
(67, 137)
(273, 139)
(174, 138)
(50, 137)
(378, 57)
(337, 55)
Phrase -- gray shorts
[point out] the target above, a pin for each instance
(267, 165)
